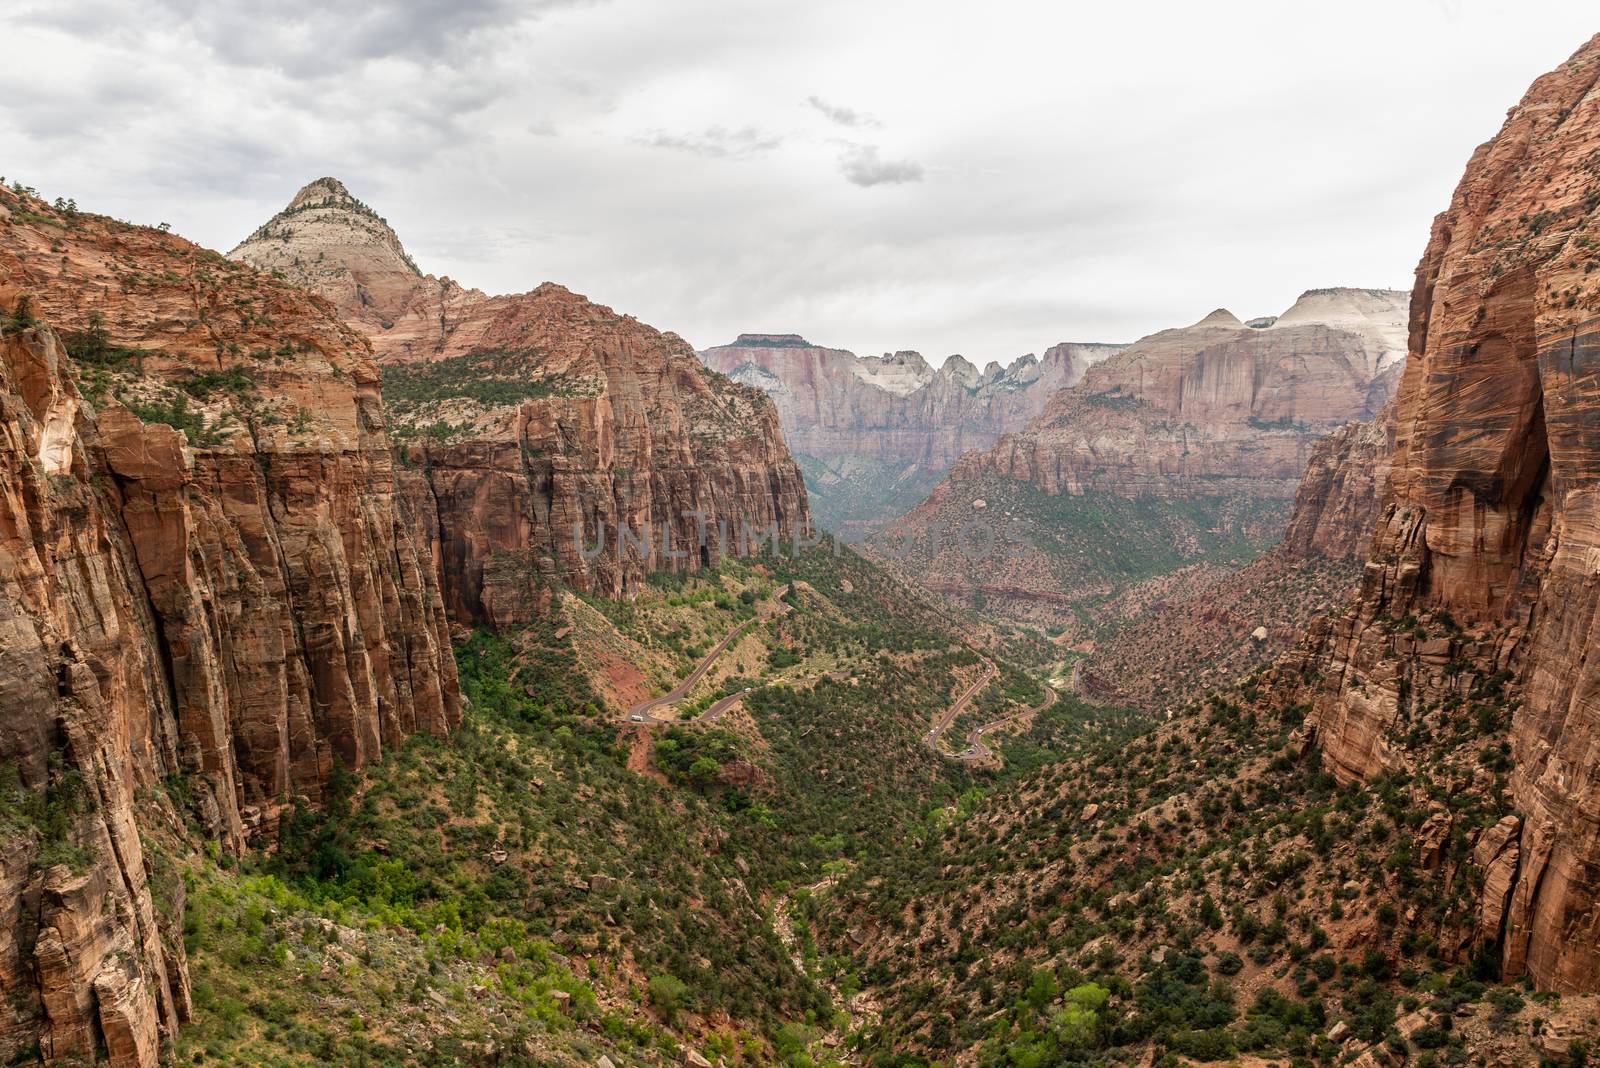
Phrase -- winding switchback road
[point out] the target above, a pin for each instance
(643, 712)
(978, 749)
(942, 724)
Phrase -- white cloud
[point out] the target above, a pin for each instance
(714, 142)
(841, 115)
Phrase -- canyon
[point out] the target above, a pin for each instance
(1189, 447)
(543, 438)
(875, 434)
(396, 673)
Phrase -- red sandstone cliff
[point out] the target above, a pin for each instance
(234, 599)
(1341, 493)
(1492, 529)
(529, 417)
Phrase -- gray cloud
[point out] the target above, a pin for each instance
(1078, 196)
(843, 116)
(714, 142)
(861, 165)
(312, 38)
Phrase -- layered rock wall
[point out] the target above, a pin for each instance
(1492, 526)
(1212, 407)
(1341, 493)
(535, 424)
(205, 578)
(835, 405)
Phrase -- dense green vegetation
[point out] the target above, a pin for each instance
(525, 829)
(43, 819)
(1113, 890)
(173, 410)
(490, 378)
(1176, 870)
(600, 898)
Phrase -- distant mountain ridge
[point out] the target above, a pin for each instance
(1190, 445)
(874, 433)
(1218, 400)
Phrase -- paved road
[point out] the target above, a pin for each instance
(942, 724)
(978, 749)
(643, 712)
(712, 714)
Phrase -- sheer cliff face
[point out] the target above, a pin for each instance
(1214, 405)
(872, 429)
(1342, 491)
(535, 424)
(1494, 519)
(834, 404)
(241, 610)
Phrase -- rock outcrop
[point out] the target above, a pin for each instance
(1492, 526)
(535, 427)
(1342, 492)
(877, 432)
(1215, 404)
(205, 578)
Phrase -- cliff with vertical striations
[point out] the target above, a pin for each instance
(205, 578)
(1492, 528)
(1342, 492)
(533, 425)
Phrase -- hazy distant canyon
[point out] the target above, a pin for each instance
(1222, 399)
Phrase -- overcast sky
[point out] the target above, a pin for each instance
(984, 178)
